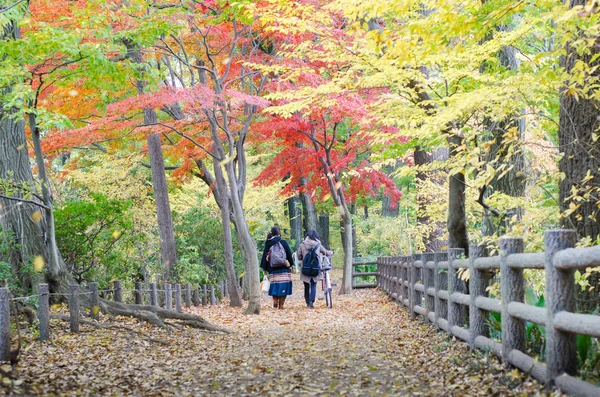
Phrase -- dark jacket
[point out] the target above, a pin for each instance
(268, 244)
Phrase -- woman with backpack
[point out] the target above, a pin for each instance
(276, 260)
(309, 247)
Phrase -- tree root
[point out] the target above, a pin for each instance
(107, 326)
(156, 315)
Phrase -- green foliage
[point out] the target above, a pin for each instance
(94, 237)
(199, 242)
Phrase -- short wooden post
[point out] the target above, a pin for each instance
(153, 294)
(377, 276)
(456, 314)
(4, 324)
(44, 310)
(412, 293)
(196, 296)
(74, 307)
(138, 293)
(512, 289)
(94, 300)
(561, 347)
(168, 296)
(225, 289)
(429, 301)
(178, 297)
(477, 287)
(204, 295)
(221, 289)
(213, 298)
(118, 294)
(188, 295)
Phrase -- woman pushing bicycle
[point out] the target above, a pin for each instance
(309, 247)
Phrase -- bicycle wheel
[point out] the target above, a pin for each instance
(328, 298)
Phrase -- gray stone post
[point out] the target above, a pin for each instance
(94, 300)
(74, 307)
(4, 323)
(118, 294)
(168, 297)
(512, 289)
(429, 300)
(477, 285)
(138, 293)
(561, 347)
(456, 314)
(178, 297)
(153, 295)
(44, 310)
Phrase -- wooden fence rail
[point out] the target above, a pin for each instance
(192, 297)
(429, 286)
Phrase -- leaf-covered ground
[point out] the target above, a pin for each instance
(366, 345)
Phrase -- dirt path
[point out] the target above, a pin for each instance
(366, 345)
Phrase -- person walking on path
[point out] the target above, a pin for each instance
(310, 283)
(277, 260)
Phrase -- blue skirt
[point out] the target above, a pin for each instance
(281, 282)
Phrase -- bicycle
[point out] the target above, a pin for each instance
(326, 282)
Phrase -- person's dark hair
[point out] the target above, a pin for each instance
(269, 236)
(312, 234)
(275, 231)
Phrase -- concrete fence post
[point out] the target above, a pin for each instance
(4, 323)
(456, 313)
(204, 295)
(188, 295)
(138, 293)
(477, 287)
(225, 289)
(561, 347)
(178, 297)
(74, 307)
(168, 296)
(94, 300)
(412, 293)
(118, 291)
(429, 301)
(512, 289)
(153, 294)
(44, 310)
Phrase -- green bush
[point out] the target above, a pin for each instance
(199, 242)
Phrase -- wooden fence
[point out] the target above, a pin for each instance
(428, 284)
(191, 296)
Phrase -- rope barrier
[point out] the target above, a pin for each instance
(22, 298)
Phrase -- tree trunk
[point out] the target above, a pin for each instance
(295, 214)
(389, 209)
(513, 182)
(432, 232)
(579, 123)
(28, 229)
(235, 298)
(248, 247)
(163, 208)
(457, 223)
(57, 271)
(309, 212)
(323, 230)
(348, 255)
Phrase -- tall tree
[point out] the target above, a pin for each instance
(578, 139)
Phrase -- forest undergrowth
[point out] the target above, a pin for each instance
(365, 345)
